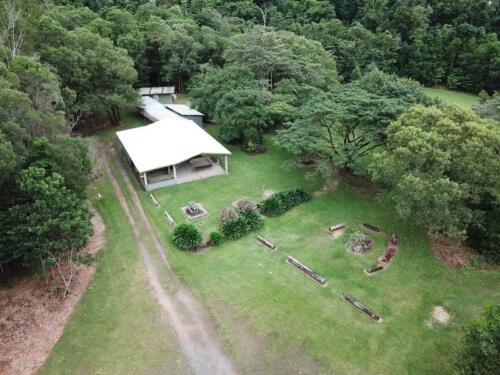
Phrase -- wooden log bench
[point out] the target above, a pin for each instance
(374, 269)
(266, 243)
(365, 310)
(336, 227)
(154, 201)
(169, 218)
(372, 227)
(294, 262)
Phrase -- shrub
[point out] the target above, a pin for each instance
(216, 238)
(282, 201)
(481, 344)
(253, 220)
(187, 237)
(244, 205)
(359, 242)
(234, 229)
(236, 224)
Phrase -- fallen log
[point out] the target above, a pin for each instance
(372, 227)
(361, 307)
(169, 218)
(294, 262)
(373, 269)
(266, 243)
(389, 253)
(336, 227)
(154, 200)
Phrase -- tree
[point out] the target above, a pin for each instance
(438, 166)
(243, 116)
(100, 74)
(207, 87)
(480, 354)
(38, 82)
(489, 108)
(48, 219)
(275, 55)
(337, 128)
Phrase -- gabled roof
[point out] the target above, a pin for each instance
(183, 110)
(156, 90)
(154, 110)
(168, 142)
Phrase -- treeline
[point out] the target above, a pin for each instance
(451, 42)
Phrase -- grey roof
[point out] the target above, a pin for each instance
(154, 110)
(156, 90)
(183, 110)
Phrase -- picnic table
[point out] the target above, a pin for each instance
(201, 162)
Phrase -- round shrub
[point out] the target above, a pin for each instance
(228, 214)
(187, 236)
(245, 205)
(216, 238)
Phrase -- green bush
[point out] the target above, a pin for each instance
(234, 229)
(480, 353)
(187, 237)
(236, 224)
(282, 201)
(216, 238)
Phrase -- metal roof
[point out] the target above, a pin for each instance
(156, 90)
(183, 110)
(154, 110)
(168, 142)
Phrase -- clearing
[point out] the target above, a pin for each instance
(272, 317)
(462, 99)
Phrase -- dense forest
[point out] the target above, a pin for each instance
(338, 81)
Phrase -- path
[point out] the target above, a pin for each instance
(189, 319)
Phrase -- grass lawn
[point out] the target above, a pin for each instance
(274, 319)
(117, 328)
(277, 319)
(461, 99)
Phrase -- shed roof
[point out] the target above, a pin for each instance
(156, 90)
(183, 110)
(168, 142)
(154, 110)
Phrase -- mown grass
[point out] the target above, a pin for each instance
(462, 99)
(294, 320)
(117, 327)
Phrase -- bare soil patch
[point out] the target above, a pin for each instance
(440, 314)
(455, 254)
(338, 233)
(31, 321)
(329, 185)
(267, 193)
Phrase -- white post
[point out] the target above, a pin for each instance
(145, 176)
(225, 164)
(175, 174)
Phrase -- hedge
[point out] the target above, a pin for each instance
(282, 201)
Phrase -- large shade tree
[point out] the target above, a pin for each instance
(440, 168)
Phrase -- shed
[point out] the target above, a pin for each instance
(173, 151)
(186, 112)
(163, 94)
(153, 110)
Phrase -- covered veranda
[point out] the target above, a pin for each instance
(173, 151)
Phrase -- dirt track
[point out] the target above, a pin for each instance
(188, 318)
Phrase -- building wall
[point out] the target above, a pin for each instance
(197, 119)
